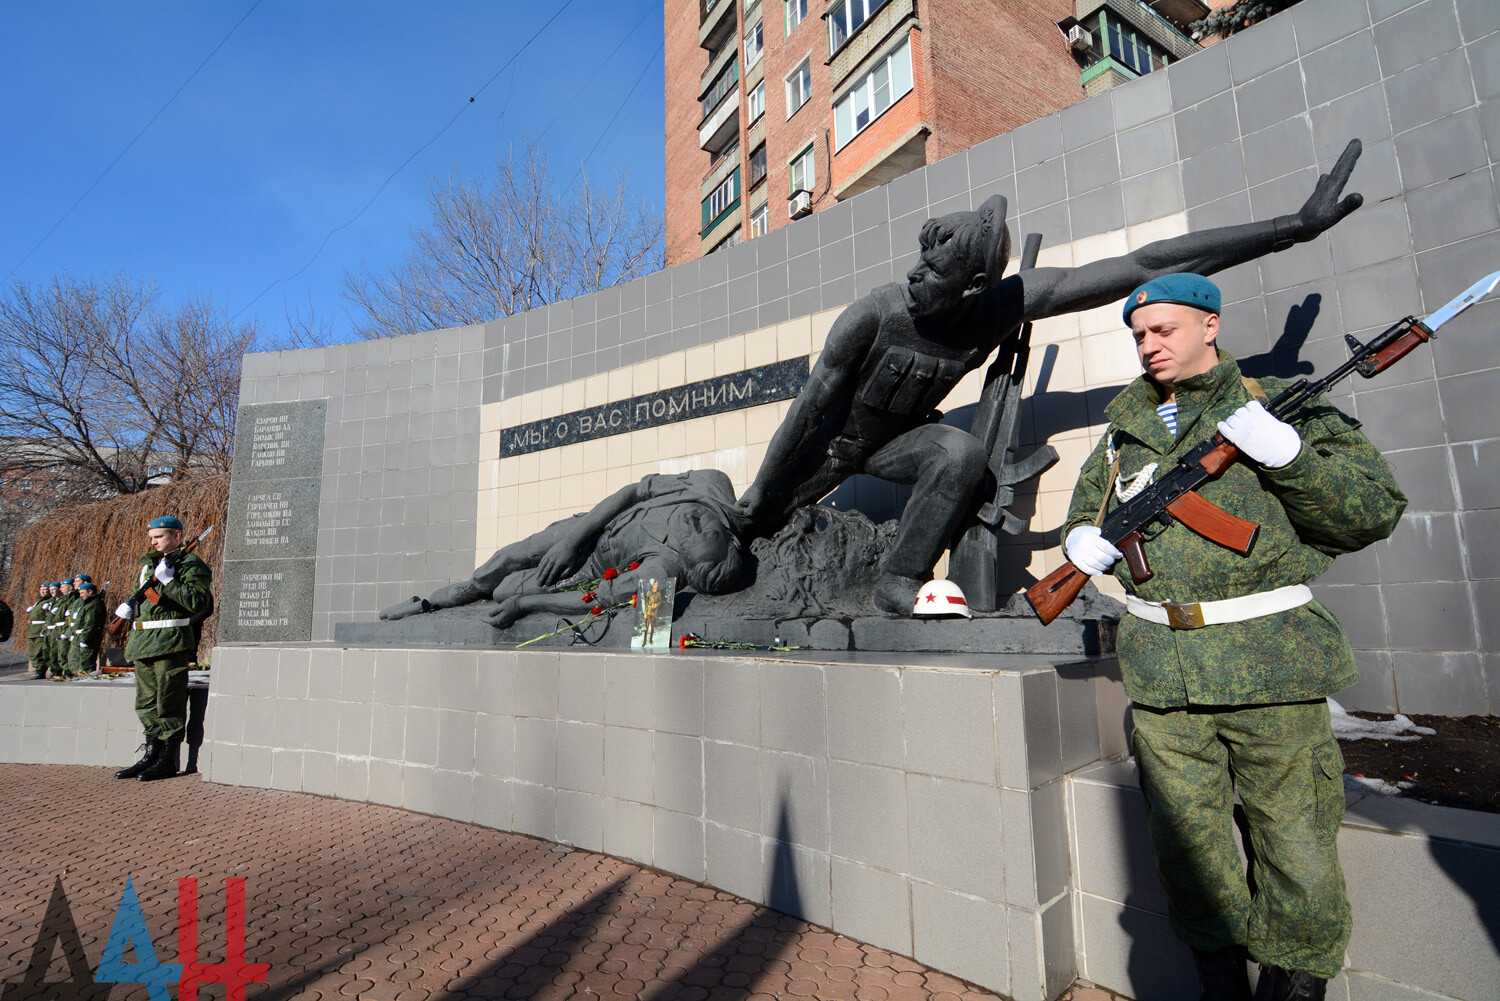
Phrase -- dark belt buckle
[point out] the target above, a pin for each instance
(1189, 616)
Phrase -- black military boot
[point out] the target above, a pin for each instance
(153, 750)
(165, 765)
(1277, 984)
(1222, 975)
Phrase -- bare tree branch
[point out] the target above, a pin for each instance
(498, 246)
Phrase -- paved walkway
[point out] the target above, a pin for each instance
(353, 900)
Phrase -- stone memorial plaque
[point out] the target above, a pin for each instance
(780, 380)
(275, 483)
(266, 602)
(273, 519)
(279, 441)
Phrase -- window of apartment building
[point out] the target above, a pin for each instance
(757, 165)
(1121, 42)
(755, 44)
(724, 198)
(845, 18)
(756, 102)
(733, 238)
(760, 221)
(883, 86)
(732, 150)
(804, 171)
(796, 11)
(798, 87)
(723, 85)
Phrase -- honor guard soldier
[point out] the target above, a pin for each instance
(36, 620)
(50, 627)
(163, 642)
(1227, 658)
(88, 629)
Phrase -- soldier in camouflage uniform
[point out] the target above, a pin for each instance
(1239, 704)
(36, 619)
(163, 642)
(88, 630)
(50, 627)
(62, 629)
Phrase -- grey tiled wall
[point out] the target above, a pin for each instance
(1235, 132)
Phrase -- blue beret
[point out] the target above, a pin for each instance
(82, 576)
(87, 585)
(1186, 289)
(167, 521)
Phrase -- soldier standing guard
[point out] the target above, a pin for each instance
(62, 629)
(36, 621)
(163, 642)
(88, 629)
(1227, 658)
(50, 626)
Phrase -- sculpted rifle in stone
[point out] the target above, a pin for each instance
(1175, 494)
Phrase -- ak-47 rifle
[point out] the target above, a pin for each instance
(147, 591)
(1175, 495)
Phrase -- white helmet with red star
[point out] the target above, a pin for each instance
(941, 599)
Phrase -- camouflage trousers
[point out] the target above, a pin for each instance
(1283, 761)
(161, 695)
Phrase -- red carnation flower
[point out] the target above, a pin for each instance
(683, 642)
(635, 566)
(633, 599)
(611, 573)
(596, 610)
(590, 596)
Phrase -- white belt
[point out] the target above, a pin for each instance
(1197, 614)
(55, 625)
(161, 624)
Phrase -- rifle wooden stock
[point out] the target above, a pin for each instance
(1213, 522)
(1220, 458)
(1056, 591)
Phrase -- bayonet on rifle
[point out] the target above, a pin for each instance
(1175, 495)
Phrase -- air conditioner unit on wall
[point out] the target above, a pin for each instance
(800, 204)
(1080, 38)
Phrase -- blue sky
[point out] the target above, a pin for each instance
(290, 128)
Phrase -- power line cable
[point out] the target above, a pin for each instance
(631, 93)
(417, 152)
(598, 68)
(132, 142)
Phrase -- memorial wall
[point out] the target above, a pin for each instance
(434, 449)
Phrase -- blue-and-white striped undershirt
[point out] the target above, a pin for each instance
(1168, 414)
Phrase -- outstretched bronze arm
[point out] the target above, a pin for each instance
(1052, 291)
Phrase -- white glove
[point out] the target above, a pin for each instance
(125, 611)
(1090, 551)
(164, 572)
(1262, 437)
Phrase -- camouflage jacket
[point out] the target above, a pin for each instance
(88, 630)
(57, 618)
(1337, 496)
(187, 595)
(37, 618)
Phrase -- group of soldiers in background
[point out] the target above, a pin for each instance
(65, 628)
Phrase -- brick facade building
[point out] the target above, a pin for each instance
(777, 108)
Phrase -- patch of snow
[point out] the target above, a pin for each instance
(1367, 786)
(1346, 727)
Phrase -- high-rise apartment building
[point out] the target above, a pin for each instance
(777, 108)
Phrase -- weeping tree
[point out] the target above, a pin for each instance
(507, 242)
